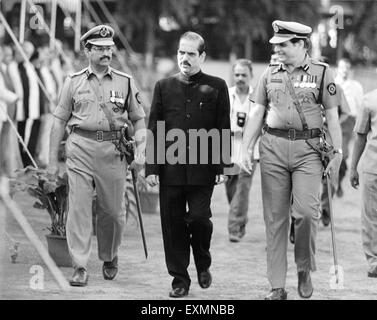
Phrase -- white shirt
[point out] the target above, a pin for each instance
(353, 91)
(237, 106)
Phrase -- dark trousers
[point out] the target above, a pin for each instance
(33, 140)
(182, 228)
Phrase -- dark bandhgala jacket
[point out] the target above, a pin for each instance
(197, 102)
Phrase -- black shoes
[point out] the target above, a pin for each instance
(277, 294)
(325, 218)
(204, 279)
(80, 278)
(237, 235)
(178, 293)
(305, 287)
(234, 237)
(110, 269)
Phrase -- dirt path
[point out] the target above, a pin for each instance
(238, 269)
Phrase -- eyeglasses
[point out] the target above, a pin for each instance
(103, 49)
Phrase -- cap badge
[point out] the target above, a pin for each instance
(276, 28)
(103, 32)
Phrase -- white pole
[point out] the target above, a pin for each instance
(33, 238)
(53, 23)
(22, 21)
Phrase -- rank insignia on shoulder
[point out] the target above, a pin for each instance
(331, 88)
(116, 110)
(277, 80)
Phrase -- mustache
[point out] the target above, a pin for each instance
(105, 57)
(185, 63)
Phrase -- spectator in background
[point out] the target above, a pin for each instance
(353, 92)
(366, 142)
(8, 138)
(51, 85)
(28, 113)
(7, 103)
(239, 183)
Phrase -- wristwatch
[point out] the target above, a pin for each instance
(340, 151)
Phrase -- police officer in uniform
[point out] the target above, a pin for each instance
(291, 94)
(95, 103)
(188, 101)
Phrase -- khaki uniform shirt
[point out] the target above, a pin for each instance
(310, 80)
(366, 123)
(83, 98)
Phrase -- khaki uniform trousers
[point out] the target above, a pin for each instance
(92, 164)
(369, 218)
(291, 181)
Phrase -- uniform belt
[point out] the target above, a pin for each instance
(98, 135)
(293, 134)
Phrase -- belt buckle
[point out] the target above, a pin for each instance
(291, 134)
(99, 137)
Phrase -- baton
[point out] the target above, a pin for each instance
(329, 193)
(137, 197)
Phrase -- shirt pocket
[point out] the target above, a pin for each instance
(83, 105)
(276, 94)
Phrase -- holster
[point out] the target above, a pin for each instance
(324, 149)
(126, 146)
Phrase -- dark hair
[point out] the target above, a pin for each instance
(88, 46)
(190, 35)
(244, 63)
(307, 42)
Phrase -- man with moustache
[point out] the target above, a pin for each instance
(95, 103)
(188, 101)
(288, 102)
(239, 183)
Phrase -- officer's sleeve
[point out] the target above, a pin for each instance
(63, 110)
(135, 108)
(223, 125)
(363, 122)
(259, 95)
(152, 152)
(330, 96)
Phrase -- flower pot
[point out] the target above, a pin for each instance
(149, 202)
(58, 250)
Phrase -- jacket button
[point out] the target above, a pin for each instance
(188, 100)
(188, 116)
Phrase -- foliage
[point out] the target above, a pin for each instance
(51, 192)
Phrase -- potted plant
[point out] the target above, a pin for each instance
(51, 193)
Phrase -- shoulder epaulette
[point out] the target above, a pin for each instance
(78, 73)
(121, 73)
(320, 63)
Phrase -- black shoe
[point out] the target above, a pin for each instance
(234, 237)
(80, 278)
(110, 269)
(178, 293)
(305, 287)
(204, 279)
(277, 294)
(325, 218)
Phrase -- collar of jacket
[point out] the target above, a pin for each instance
(193, 78)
